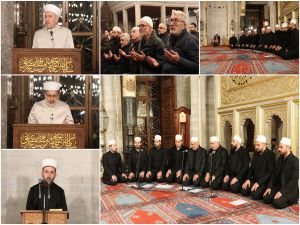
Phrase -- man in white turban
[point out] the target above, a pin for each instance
(52, 35)
(283, 189)
(46, 190)
(261, 170)
(50, 110)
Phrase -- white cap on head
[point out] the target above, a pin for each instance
(111, 142)
(261, 139)
(148, 20)
(49, 162)
(237, 138)
(283, 25)
(277, 25)
(194, 139)
(286, 141)
(214, 139)
(51, 86)
(137, 139)
(293, 21)
(263, 29)
(255, 30)
(117, 29)
(242, 31)
(268, 28)
(266, 23)
(157, 138)
(178, 137)
(52, 8)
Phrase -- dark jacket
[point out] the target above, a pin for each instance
(137, 161)
(262, 166)
(174, 158)
(238, 164)
(165, 37)
(156, 160)
(112, 164)
(233, 40)
(293, 40)
(286, 177)
(187, 46)
(196, 161)
(219, 160)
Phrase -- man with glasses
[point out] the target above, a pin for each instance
(182, 56)
(50, 110)
(150, 52)
(163, 34)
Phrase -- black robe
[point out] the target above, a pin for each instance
(196, 162)
(112, 164)
(137, 161)
(57, 198)
(218, 158)
(233, 41)
(174, 158)
(157, 160)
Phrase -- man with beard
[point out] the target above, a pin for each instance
(50, 110)
(283, 189)
(175, 160)
(182, 56)
(260, 171)
(150, 52)
(114, 170)
(46, 191)
(156, 162)
(237, 166)
(163, 34)
(193, 30)
(195, 165)
(283, 37)
(137, 162)
(134, 42)
(233, 41)
(292, 47)
(216, 165)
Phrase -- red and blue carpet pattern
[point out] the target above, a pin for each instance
(223, 60)
(122, 204)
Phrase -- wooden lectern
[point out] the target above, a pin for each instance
(46, 61)
(36, 217)
(48, 136)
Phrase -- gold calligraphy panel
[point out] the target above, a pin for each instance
(48, 140)
(40, 64)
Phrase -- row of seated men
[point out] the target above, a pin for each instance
(283, 42)
(274, 182)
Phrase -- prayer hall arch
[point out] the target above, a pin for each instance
(248, 134)
(275, 132)
(227, 134)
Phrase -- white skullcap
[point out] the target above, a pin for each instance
(137, 139)
(49, 162)
(266, 23)
(283, 25)
(237, 138)
(268, 28)
(51, 86)
(157, 138)
(261, 139)
(286, 141)
(52, 8)
(263, 29)
(249, 31)
(293, 21)
(255, 30)
(194, 139)
(111, 142)
(135, 28)
(277, 25)
(242, 31)
(118, 29)
(214, 139)
(178, 137)
(148, 20)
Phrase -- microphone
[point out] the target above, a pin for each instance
(52, 117)
(186, 150)
(51, 33)
(40, 194)
(212, 153)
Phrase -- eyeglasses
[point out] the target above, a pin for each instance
(176, 20)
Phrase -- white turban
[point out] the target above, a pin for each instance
(178, 137)
(237, 138)
(148, 20)
(214, 139)
(266, 23)
(157, 138)
(118, 29)
(52, 8)
(261, 139)
(293, 21)
(51, 86)
(277, 25)
(194, 139)
(111, 142)
(283, 25)
(268, 28)
(49, 162)
(137, 139)
(286, 141)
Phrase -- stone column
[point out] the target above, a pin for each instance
(125, 20)
(186, 11)
(163, 14)
(137, 9)
(3, 110)
(183, 92)
(115, 18)
(272, 13)
(7, 36)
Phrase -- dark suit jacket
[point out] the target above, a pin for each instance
(196, 166)
(219, 160)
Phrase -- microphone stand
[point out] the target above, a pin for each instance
(182, 173)
(212, 195)
(137, 170)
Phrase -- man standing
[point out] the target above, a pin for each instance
(182, 57)
(175, 164)
(114, 170)
(195, 165)
(193, 30)
(283, 189)
(137, 162)
(261, 170)
(163, 34)
(292, 48)
(156, 162)
(50, 110)
(150, 52)
(52, 35)
(216, 165)
(237, 166)
(46, 192)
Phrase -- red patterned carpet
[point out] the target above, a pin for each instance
(122, 204)
(223, 60)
